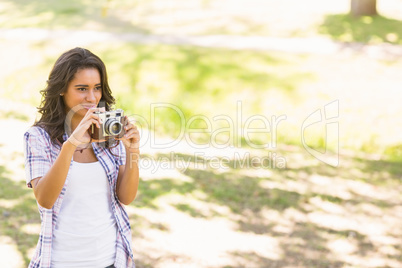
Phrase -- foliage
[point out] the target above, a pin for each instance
(365, 29)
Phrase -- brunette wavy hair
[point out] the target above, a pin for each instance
(52, 108)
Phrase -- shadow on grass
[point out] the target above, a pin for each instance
(139, 223)
(150, 190)
(238, 193)
(381, 172)
(10, 189)
(376, 29)
(19, 209)
(375, 172)
(305, 246)
(191, 211)
(67, 14)
(242, 193)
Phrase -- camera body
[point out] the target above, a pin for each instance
(113, 123)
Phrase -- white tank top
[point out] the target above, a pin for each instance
(85, 233)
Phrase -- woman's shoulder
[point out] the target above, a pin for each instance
(37, 132)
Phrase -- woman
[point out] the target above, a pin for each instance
(80, 184)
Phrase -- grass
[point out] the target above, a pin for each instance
(182, 76)
(285, 204)
(63, 15)
(17, 210)
(249, 198)
(146, 79)
(394, 152)
(365, 29)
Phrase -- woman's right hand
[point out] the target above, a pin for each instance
(80, 135)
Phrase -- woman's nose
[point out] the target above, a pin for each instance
(91, 96)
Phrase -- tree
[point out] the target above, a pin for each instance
(363, 8)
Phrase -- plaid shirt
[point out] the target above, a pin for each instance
(40, 154)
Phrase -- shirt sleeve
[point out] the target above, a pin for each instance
(37, 155)
(122, 154)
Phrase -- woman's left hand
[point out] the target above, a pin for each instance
(131, 138)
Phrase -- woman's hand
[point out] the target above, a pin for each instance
(80, 135)
(131, 138)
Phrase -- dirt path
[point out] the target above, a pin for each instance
(314, 45)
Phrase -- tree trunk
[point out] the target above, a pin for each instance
(363, 7)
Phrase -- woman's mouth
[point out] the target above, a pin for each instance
(89, 106)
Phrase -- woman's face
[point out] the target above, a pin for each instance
(85, 90)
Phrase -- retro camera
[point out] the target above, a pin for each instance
(113, 123)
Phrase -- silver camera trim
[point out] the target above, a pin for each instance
(112, 116)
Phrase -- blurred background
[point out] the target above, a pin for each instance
(199, 61)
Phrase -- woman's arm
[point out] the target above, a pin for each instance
(48, 188)
(128, 178)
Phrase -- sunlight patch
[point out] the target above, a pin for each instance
(31, 228)
(9, 256)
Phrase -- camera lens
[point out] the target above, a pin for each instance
(113, 127)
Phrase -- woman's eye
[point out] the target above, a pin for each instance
(82, 89)
(98, 88)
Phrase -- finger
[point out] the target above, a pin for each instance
(84, 126)
(95, 109)
(132, 136)
(130, 120)
(130, 126)
(97, 117)
(92, 116)
(91, 121)
(128, 134)
(90, 113)
(92, 110)
(131, 131)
